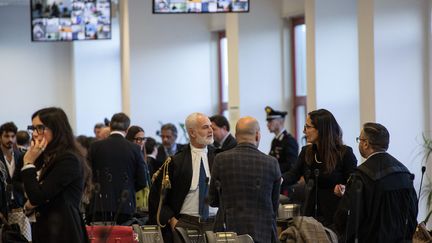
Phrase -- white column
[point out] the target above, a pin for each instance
(332, 62)
(366, 60)
(232, 34)
(125, 55)
(310, 13)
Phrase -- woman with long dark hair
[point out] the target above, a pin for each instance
(326, 164)
(55, 193)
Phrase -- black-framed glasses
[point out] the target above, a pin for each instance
(40, 129)
(140, 139)
(306, 126)
(358, 139)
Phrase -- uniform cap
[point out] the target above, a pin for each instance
(274, 114)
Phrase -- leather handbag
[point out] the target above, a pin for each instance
(422, 235)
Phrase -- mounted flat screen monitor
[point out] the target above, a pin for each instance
(70, 20)
(200, 6)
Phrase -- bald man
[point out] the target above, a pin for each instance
(245, 185)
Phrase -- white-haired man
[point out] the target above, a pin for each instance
(189, 173)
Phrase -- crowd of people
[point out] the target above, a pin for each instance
(58, 183)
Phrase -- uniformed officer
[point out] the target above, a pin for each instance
(284, 147)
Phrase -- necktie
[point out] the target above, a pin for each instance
(202, 185)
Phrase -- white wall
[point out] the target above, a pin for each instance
(293, 8)
(96, 75)
(32, 75)
(337, 64)
(400, 41)
(260, 64)
(171, 67)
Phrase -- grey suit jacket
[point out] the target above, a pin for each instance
(245, 185)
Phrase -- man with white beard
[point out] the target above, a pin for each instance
(185, 203)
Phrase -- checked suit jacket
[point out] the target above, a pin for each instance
(245, 185)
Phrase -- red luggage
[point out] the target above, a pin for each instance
(111, 234)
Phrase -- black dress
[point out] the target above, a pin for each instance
(57, 195)
(315, 174)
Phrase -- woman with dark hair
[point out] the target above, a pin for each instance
(136, 134)
(325, 163)
(55, 193)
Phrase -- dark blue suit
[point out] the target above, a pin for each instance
(118, 167)
(248, 182)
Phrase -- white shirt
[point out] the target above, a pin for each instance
(280, 135)
(191, 203)
(372, 154)
(11, 167)
(223, 140)
(10, 164)
(118, 132)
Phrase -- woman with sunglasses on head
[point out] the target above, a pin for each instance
(55, 193)
(136, 134)
(325, 163)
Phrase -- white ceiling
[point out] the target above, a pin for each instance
(14, 2)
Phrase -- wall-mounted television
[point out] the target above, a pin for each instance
(70, 20)
(200, 6)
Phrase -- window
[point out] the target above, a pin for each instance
(223, 74)
(298, 62)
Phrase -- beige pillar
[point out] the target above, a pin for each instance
(232, 34)
(366, 60)
(311, 101)
(125, 55)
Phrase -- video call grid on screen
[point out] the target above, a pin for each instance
(70, 20)
(200, 6)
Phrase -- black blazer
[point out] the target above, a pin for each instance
(119, 169)
(285, 149)
(15, 184)
(383, 188)
(162, 155)
(327, 200)
(180, 172)
(57, 195)
(229, 143)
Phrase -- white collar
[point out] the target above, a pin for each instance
(118, 132)
(224, 139)
(198, 150)
(280, 135)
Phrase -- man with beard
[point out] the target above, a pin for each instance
(380, 193)
(12, 160)
(184, 203)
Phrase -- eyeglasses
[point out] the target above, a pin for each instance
(40, 129)
(358, 139)
(140, 139)
(306, 126)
